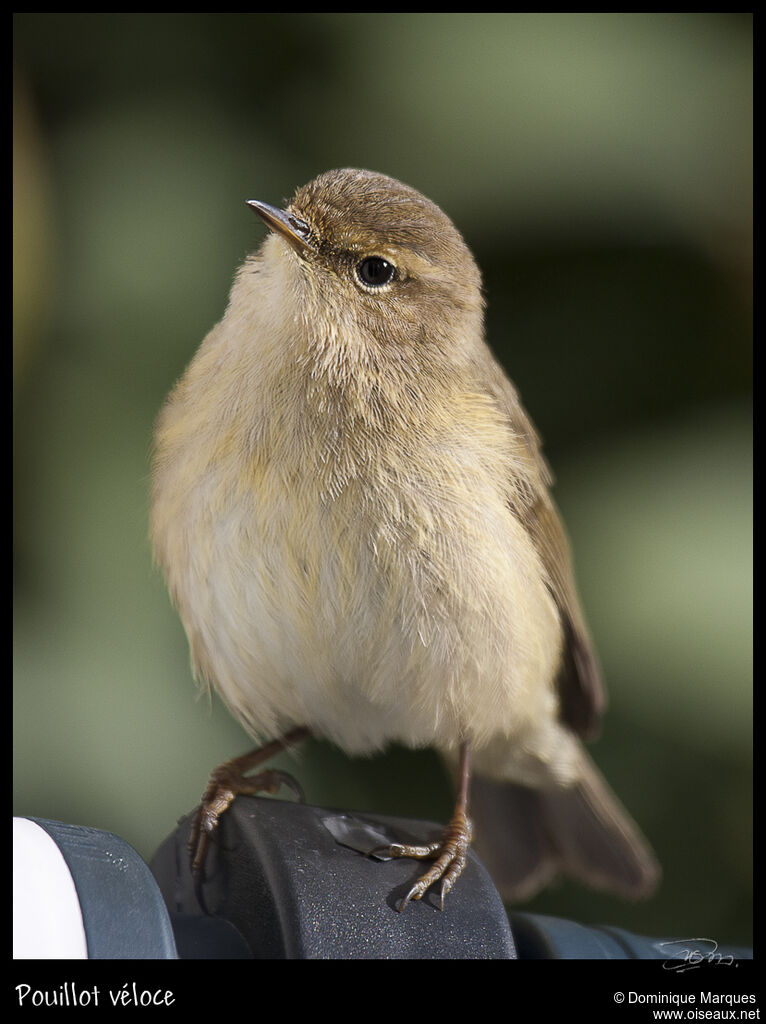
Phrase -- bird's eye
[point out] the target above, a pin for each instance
(374, 271)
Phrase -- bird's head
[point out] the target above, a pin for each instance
(373, 262)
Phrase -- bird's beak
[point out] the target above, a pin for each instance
(291, 228)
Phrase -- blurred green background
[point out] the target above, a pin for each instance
(599, 165)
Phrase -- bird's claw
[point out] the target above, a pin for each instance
(450, 853)
(225, 784)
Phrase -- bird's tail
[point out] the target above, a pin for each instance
(525, 837)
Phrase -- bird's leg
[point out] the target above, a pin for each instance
(229, 780)
(450, 852)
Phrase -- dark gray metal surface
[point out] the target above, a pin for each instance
(278, 874)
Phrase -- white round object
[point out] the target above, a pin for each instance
(47, 921)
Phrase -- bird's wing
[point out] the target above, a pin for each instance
(581, 690)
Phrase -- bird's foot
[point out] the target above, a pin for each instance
(230, 780)
(449, 854)
(226, 783)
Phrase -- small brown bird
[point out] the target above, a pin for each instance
(352, 512)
